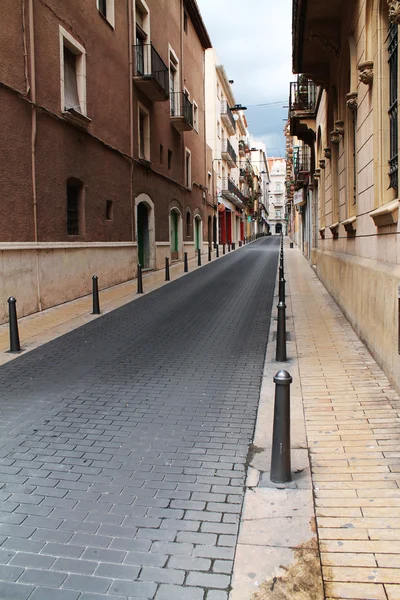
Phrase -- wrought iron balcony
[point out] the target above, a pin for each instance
(181, 111)
(150, 73)
(228, 153)
(231, 192)
(242, 148)
(301, 163)
(242, 176)
(303, 96)
(227, 118)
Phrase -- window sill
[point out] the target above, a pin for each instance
(350, 224)
(386, 214)
(77, 118)
(145, 162)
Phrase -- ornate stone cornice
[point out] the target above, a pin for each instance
(366, 72)
(394, 11)
(352, 100)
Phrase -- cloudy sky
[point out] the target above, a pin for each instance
(253, 42)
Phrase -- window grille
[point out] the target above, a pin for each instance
(73, 192)
(393, 104)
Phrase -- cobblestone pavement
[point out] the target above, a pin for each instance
(123, 444)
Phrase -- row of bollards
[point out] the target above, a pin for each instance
(280, 455)
(15, 345)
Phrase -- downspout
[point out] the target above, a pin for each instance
(33, 142)
(130, 74)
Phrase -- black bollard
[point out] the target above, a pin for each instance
(13, 323)
(229, 246)
(167, 277)
(209, 253)
(223, 248)
(291, 244)
(282, 290)
(217, 250)
(185, 263)
(280, 457)
(240, 243)
(139, 280)
(233, 245)
(95, 294)
(281, 334)
(199, 257)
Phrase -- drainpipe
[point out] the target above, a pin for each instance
(130, 42)
(33, 143)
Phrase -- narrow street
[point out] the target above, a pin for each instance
(124, 443)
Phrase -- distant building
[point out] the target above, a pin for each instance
(276, 197)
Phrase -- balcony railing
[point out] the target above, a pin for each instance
(303, 95)
(150, 72)
(301, 162)
(230, 190)
(228, 153)
(181, 111)
(242, 148)
(227, 118)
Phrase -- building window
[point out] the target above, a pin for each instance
(161, 154)
(144, 133)
(188, 224)
(169, 158)
(109, 210)
(106, 8)
(173, 83)
(393, 108)
(74, 207)
(195, 117)
(188, 168)
(73, 75)
(185, 21)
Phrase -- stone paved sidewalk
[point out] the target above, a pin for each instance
(353, 431)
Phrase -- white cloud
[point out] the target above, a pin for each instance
(253, 41)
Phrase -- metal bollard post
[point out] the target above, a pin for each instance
(199, 257)
(167, 276)
(139, 280)
(229, 246)
(223, 248)
(95, 294)
(185, 263)
(281, 334)
(240, 243)
(233, 245)
(282, 290)
(280, 457)
(291, 244)
(217, 250)
(209, 253)
(13, 323)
